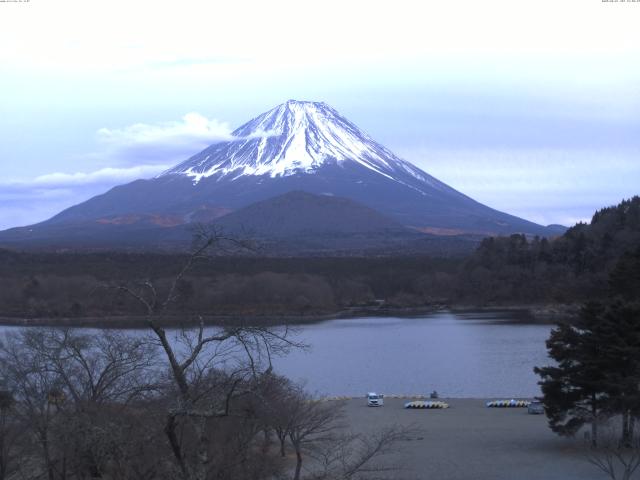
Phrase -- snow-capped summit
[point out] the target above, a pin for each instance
(297, 137)
(305, 147)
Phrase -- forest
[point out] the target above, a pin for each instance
(503, 271)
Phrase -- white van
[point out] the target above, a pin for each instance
(375, 400)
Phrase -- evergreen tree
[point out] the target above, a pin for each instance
(575, 389)
(624, 280)
(598, 370)
(620, 339)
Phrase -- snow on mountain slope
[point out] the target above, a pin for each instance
(300, 137)
(295, 147)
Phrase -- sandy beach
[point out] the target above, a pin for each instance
(470, 441)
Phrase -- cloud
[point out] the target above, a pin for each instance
(27, 201)
(99, 177)
(136, 151)
(192, 128)
(103, 176)
(164, 142)
(29, 206)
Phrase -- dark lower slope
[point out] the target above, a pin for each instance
(175, 197)
(301, 213)
(301, 223)
(296, 223)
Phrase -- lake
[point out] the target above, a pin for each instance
(459, 355)
(481, 355)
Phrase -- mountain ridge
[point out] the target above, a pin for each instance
(296, 136)
(296, 146)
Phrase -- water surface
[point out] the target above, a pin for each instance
(459, 355)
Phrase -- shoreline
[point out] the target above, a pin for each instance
(484, 400)
(530, 314)
(469, 440)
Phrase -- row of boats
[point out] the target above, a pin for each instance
(492, 404)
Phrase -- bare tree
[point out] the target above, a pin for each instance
(615, 457)
(349, 456)
(316, 430)
(317, 433)
(107, 367)
(243, 350)
(70, 393)
(38, 394)
(312, 422)
(9, 432)
(276, 398)
(191, 403)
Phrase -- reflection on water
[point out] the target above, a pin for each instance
(459, 355)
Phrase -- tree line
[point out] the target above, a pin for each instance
(512, 270)
(595, 381)
(569, 269)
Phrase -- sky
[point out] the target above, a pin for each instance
(531, 107)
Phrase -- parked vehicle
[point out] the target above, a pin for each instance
(535, 408)
(375, 400)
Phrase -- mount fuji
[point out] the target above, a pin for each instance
(297, 146)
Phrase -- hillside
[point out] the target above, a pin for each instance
(572, 267)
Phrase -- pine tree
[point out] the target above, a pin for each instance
(624, 279)
(620, 339)
(597, 375)
(575, 389)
